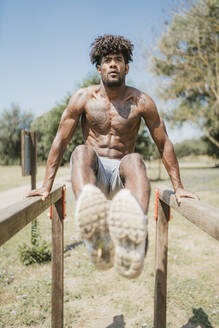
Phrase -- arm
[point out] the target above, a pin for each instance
(158, 132)
(67, 126)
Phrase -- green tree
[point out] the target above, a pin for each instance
(47, 124)
(12, 121)
(188, 63)
(144, 144)
(212, 150)
(190, 147)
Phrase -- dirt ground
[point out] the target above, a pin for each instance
(103, 299)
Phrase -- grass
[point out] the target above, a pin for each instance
(104, 299)
(11, 176)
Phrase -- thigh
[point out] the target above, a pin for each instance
(83, 156)
(102, 180)
(132, 166)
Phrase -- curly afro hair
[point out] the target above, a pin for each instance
(110, 44)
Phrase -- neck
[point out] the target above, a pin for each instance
(112, 93)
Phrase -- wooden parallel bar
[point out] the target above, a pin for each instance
(17, 216)
(160, 291)
(204, 216)
(57, 264)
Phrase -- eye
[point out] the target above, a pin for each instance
(107, 60)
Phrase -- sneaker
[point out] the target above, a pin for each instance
(128, 229)
(90, 215)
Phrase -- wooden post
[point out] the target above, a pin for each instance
(57, 264)
(33, 159)
(161, 265)
(33, 170)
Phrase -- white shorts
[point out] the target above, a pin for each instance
(108, 177)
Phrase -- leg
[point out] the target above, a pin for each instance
(84, 168)
(91, 207)
(127, 217)
(134, 177)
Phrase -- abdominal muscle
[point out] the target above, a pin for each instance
(111, 146)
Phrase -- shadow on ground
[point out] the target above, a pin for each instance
(118, 322)
(198, 320)
(72, 246)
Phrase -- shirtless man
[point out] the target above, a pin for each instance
(105, 166)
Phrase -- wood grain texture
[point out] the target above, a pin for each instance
(33, 159)
(18, 215)
(160, 291)
(204, 216)
(57, 264)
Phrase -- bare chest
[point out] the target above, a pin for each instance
(105, 117)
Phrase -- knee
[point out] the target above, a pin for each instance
(133, 159)
(81, 152)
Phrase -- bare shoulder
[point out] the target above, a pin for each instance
(146, 104)
(142, 99)
(79, 99)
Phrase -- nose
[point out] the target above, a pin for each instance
(113, 63)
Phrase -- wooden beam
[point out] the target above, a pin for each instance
(57, 264)
(161, 247)
(204, 216)
(18, 215)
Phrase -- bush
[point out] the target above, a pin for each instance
(190, 147)
(12, 121)
(40, 253)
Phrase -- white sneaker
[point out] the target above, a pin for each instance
(128, 229)
(90, 215)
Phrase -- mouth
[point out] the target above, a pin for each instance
(113, 73)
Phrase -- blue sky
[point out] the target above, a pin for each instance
(45, 47)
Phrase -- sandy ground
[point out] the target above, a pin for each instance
(14, 195)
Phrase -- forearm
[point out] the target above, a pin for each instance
(53, 163)
(171, 164)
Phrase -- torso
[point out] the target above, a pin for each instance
(111, 128)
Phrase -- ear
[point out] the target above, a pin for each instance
(99, 69)
(126, 68)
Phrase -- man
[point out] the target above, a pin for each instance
(105, 166)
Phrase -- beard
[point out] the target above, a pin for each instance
(113, 83)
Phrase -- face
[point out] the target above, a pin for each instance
(113, 70)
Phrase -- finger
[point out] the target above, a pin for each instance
(190, 195)
(30, 194)
(178, 199)
(45, 196)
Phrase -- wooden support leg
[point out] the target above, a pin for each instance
(161, 266)
(57, 264)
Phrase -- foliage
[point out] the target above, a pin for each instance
(190, 147)
(40, 253)
(12, 121)
(212, 149)
(35, 233)
(188, 63)
(144, 144)
(47, 124)
(91, 79)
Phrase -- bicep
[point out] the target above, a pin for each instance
(155, 125)
(67, 126)
(69, 119)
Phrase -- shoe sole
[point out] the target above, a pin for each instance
(90, 215)
(128, 229)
